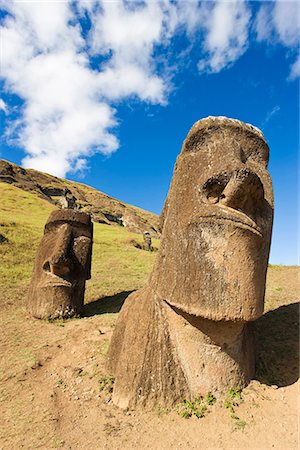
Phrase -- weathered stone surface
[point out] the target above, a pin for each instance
(62, 265)
(189, 330)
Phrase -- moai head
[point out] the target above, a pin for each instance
(62, 265)
(217, 223)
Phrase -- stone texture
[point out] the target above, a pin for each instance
(189, 330)
(62, 265)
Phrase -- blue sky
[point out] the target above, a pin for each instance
(105, 92)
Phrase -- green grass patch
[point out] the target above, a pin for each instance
(197, 407)
(106, 383)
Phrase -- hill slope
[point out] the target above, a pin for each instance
(52, 373)
(102, 207)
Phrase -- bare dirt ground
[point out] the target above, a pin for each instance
(50, 372)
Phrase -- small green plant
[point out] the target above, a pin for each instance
(233, 399)
(235, 393)
(106, 383)
(187, 408)
(198, 407)
(228, 405)
(210, 399)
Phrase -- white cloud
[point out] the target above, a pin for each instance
(67, 113)
(226, 39)
(263, 22)
(279, 21)
(191, 15)
(130, 36)
(286, 18)
(42, 61)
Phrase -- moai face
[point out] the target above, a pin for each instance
(218, 219)
(63, 263)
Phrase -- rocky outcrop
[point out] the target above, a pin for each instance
(102, 207)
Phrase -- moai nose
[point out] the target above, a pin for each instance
(60, 262)
(243, 189)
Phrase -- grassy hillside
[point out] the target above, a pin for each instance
(50, 371)
(117, 265)
(102, 207)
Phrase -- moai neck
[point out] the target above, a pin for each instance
(213, 355)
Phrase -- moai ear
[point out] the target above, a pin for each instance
(163, 215)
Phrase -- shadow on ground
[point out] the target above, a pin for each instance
(103, 305)
(278, 346)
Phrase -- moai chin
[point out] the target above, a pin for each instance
(189, 330)
(62, 265)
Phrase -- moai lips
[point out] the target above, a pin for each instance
(62, 265)
(188, 332)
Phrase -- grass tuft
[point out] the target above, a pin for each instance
(106, 383)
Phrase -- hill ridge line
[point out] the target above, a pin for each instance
(102, 207)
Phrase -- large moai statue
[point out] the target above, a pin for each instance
(62, 265)
(190, 331)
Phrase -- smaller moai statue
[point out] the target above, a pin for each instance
(62, 265)
(68, 201)
(147, 241)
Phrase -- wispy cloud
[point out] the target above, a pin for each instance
(3, 106)
(71, 78)
(270, 114)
